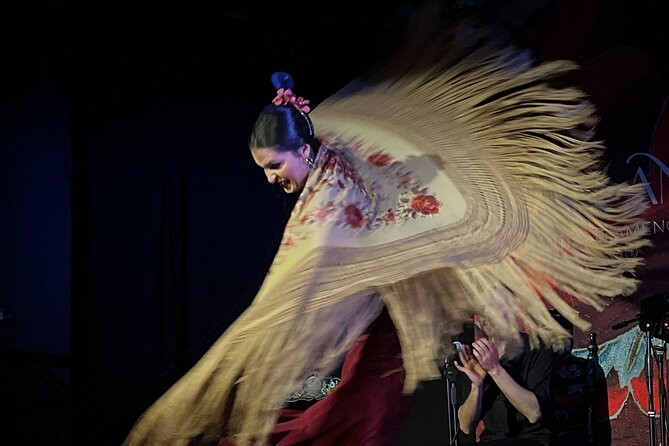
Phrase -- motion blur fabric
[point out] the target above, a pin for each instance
(466, 185)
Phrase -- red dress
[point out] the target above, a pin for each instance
(366, 408)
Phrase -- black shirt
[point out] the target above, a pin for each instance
(532, 370)
(573, 394)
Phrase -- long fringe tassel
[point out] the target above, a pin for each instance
(582, 230)
(489, 117)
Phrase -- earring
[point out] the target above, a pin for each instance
(305, 152)
(310, 162)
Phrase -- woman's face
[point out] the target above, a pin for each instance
(288, 169)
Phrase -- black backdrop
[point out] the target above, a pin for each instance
(174, 227)
(136, 227)
(153, 228)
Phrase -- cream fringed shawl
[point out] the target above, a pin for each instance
(470, 187)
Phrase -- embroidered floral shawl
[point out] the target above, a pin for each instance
(469, 187)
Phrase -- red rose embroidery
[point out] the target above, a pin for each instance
(380, 159)
(390, 216)
(353, 216)
(425, 204)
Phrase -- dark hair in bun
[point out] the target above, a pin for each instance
(283, 127)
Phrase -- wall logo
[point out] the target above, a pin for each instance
(641, 176)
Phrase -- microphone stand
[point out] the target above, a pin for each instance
(649, 328)
(452, 403)
(592, 365)
(649, 381)
(660, 354)
(651, 309)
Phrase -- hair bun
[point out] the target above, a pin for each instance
(282, 80)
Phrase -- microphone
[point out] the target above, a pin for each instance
(449, 360)
(465, 337)
(624, 323)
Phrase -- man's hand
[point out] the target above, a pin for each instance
(469, 412)
(485, 352)
(524, 400)
(470, 366)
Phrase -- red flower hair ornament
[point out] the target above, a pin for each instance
(285, 96)
(283, 82)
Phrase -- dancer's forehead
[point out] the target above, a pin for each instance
(266, 156)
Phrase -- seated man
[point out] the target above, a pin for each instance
(510, 396)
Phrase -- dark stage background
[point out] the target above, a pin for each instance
(135, 225)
